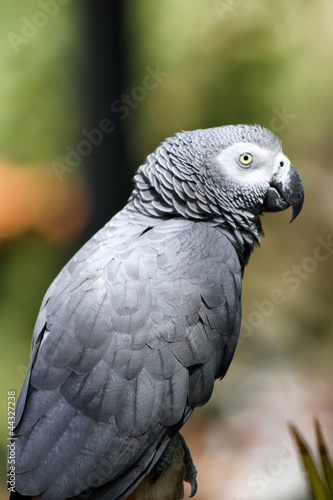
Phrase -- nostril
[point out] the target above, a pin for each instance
(281, 163)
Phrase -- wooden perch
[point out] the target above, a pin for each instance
(170, 484)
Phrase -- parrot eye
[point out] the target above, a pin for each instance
(246, 159)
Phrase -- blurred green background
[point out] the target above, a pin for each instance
(219, 62)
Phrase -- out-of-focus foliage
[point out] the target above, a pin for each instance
(215, 62)
(39, 84)
(39, 116)
(233, 62)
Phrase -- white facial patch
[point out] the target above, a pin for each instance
(247, 164)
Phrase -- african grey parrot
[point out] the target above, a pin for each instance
(135, 329)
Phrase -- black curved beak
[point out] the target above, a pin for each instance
(286, 190)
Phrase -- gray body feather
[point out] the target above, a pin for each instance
(135, 329)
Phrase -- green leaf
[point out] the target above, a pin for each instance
(325, 458)
(316, 484)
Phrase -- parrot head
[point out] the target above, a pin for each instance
(229, 175)
(263, 173)
(243, 165)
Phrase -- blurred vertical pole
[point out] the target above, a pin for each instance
(105, 75)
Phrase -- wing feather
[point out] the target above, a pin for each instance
(129, 346)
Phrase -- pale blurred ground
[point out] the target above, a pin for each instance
(224, 62)
(245, 451)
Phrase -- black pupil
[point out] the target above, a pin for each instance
(246, 157)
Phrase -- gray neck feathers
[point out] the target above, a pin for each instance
(166, 186)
